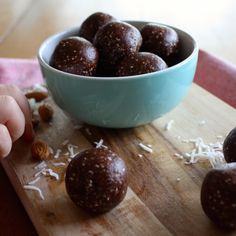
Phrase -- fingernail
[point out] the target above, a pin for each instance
(29, 133)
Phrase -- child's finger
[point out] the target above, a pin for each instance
(12, 117)
(23, 104)
(5, 141)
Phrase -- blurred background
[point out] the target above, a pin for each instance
(24, 24)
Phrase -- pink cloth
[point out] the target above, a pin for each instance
(214, 74)
(217, 76)
(21, 72)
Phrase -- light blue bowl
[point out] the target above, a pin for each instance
(119, 102)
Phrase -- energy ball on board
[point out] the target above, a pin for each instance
(96, 180)
(218, 196)
(229, 146)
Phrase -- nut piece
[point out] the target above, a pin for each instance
(45, 112)
(37, 95)
(40, 150)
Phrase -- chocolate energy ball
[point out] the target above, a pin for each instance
(160, 40)
(96, 180)
(75, 55)
(94, 22)
(140, 63)
(229, 146)
(114, 41)
(218, 196)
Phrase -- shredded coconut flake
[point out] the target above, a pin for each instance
(59, 164)
(34, 188)
(50, 172)
(145, 148)
(179, 156)
(140, 155)
(100, 144)
(58, 152)
(71, 148)
(40, 165)
(51, 151)
(39, 172)
(202, 151)
(169, 125)
(34, 181)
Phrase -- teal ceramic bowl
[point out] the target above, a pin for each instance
(119, 102)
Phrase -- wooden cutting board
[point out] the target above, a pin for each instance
(163, 195)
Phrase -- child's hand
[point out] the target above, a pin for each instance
(15, 118)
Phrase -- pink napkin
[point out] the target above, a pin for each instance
(217, 76)
(214, 74)
(21, 72)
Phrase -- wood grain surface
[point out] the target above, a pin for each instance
(24, 24)
(163, 195)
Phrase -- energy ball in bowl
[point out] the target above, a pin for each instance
(94, 22)
(75, 55)
(140, 63)
(96, 180)
(160, 40)
(229, 146)
(115, 41)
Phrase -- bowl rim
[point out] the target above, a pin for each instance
(116, 78)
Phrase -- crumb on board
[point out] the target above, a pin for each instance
(145, 147)
(169, 125)
(34, 188)
(100, 144)
(213, 152)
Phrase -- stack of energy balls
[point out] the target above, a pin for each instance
(108, 47)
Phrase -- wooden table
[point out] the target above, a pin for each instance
(22, 29)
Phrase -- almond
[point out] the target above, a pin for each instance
(45, 112)
(37, 95)
(40, 150)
